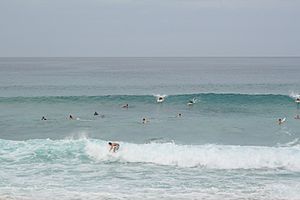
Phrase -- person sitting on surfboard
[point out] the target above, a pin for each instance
(113, 147)
(43, 118)
(95, 114)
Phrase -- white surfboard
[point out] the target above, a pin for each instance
(191, 102)
(160, 99)
(282, 121)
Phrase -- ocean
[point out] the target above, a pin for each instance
(226, 145)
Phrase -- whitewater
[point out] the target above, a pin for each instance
(226, 145)
(203, 156)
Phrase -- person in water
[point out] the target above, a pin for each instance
(179, 115)
(280, 121)
(125, 106)
(144, 120)
(96, 114)
(43, 118)
(113, 147)
(71, 117)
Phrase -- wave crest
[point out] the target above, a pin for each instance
(208, 156)
(230, 98)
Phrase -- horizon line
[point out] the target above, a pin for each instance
(150, 56)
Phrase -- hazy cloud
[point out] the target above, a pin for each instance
(149, 28)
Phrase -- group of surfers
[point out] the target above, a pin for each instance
(114, 147)
(281, 120)
(144, 119)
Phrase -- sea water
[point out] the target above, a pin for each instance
(227, 145)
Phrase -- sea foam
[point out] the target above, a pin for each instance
(208, 156)
(211, 156)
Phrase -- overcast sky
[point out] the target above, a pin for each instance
(149, 28)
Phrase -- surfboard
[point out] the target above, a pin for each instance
(191, 102)
(160, 99)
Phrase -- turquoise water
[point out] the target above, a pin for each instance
(228, 145)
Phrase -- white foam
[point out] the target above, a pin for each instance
(77, 135)
(209, 156)
(284, 190)
(291, 143)
(294, 95)
(160, 95)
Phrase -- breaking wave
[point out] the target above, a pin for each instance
(206, 156)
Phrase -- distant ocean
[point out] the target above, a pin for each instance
(227, 145)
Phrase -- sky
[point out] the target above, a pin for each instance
(113, 28)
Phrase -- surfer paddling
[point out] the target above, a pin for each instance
(43, 118)
(144, 120)
(96, 114)
(114, 147)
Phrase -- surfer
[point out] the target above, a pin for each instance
(43, 118)
(113, 147)
(144, 120)
(125, 106)
(191, 102)
(71, 117)
(160, 99)
(280, 121)
(96, 114)
(179, 115)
